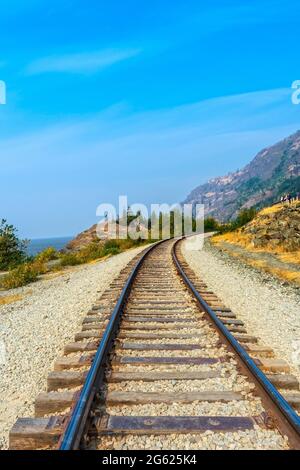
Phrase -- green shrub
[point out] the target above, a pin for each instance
(244, 217)
(115, 250)
(91, 252)
(46, 255)
(22, 275)
(29, 272)
(70, 259)
(211, 225)
(97, 250)
(88, 253)
(112, 244)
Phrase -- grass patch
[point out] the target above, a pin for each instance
(281, 273)
(290, 257)
(49, 254)
(23, 275)
(284, 274)
(235, 238)
(9, 299)
(99, 250)
(270, 210)
(242, 240)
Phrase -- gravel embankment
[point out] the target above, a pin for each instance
(34, 331)
(225, 378)
(269, 308)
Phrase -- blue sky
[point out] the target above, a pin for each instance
(147, 99)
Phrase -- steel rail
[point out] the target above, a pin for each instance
(289, 417)
(72, 435)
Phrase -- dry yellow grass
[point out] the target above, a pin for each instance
(283, 274)
(244, 241)
(290, 257)
(270, 210)
(98, 260)
(9, 299)
(239, 239)
(236, 238)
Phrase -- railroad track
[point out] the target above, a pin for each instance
(161, 363)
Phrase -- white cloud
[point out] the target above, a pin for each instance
(89, 62)
(71, 167)
(173, 134)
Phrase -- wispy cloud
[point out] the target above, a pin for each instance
(185, 131)
(89, 62)
(153, 156)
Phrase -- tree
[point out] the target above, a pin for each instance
(12, 249)
(244, 216)
(211, 225)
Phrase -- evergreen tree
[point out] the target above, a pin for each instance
(12, 249)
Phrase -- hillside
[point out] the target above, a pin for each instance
(271, 241)
(273, 172)
(97, 233)
(275, 229)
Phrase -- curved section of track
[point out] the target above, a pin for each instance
(174, 369)
(171, 372)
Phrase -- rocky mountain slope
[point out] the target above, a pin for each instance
(269, 243)
(273, 172)
(276, 227)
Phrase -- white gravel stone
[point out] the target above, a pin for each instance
(211, 353)
(216, 384)
(35, 330)
(269, 309)
(253, 439)
(251, 406)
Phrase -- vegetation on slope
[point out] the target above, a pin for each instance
(12, 249)
(23, 269)
(271, 241)
(273, 172)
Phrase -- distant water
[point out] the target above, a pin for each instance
(41, 244)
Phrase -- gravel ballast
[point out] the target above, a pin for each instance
(227, 394)
(34, 331)
(270, 310)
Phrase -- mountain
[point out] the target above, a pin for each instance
(273, 172)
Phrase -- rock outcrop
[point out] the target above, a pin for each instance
(83, 239)
(279, 227)
(99, 233)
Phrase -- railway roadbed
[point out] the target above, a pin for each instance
(161, 363)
